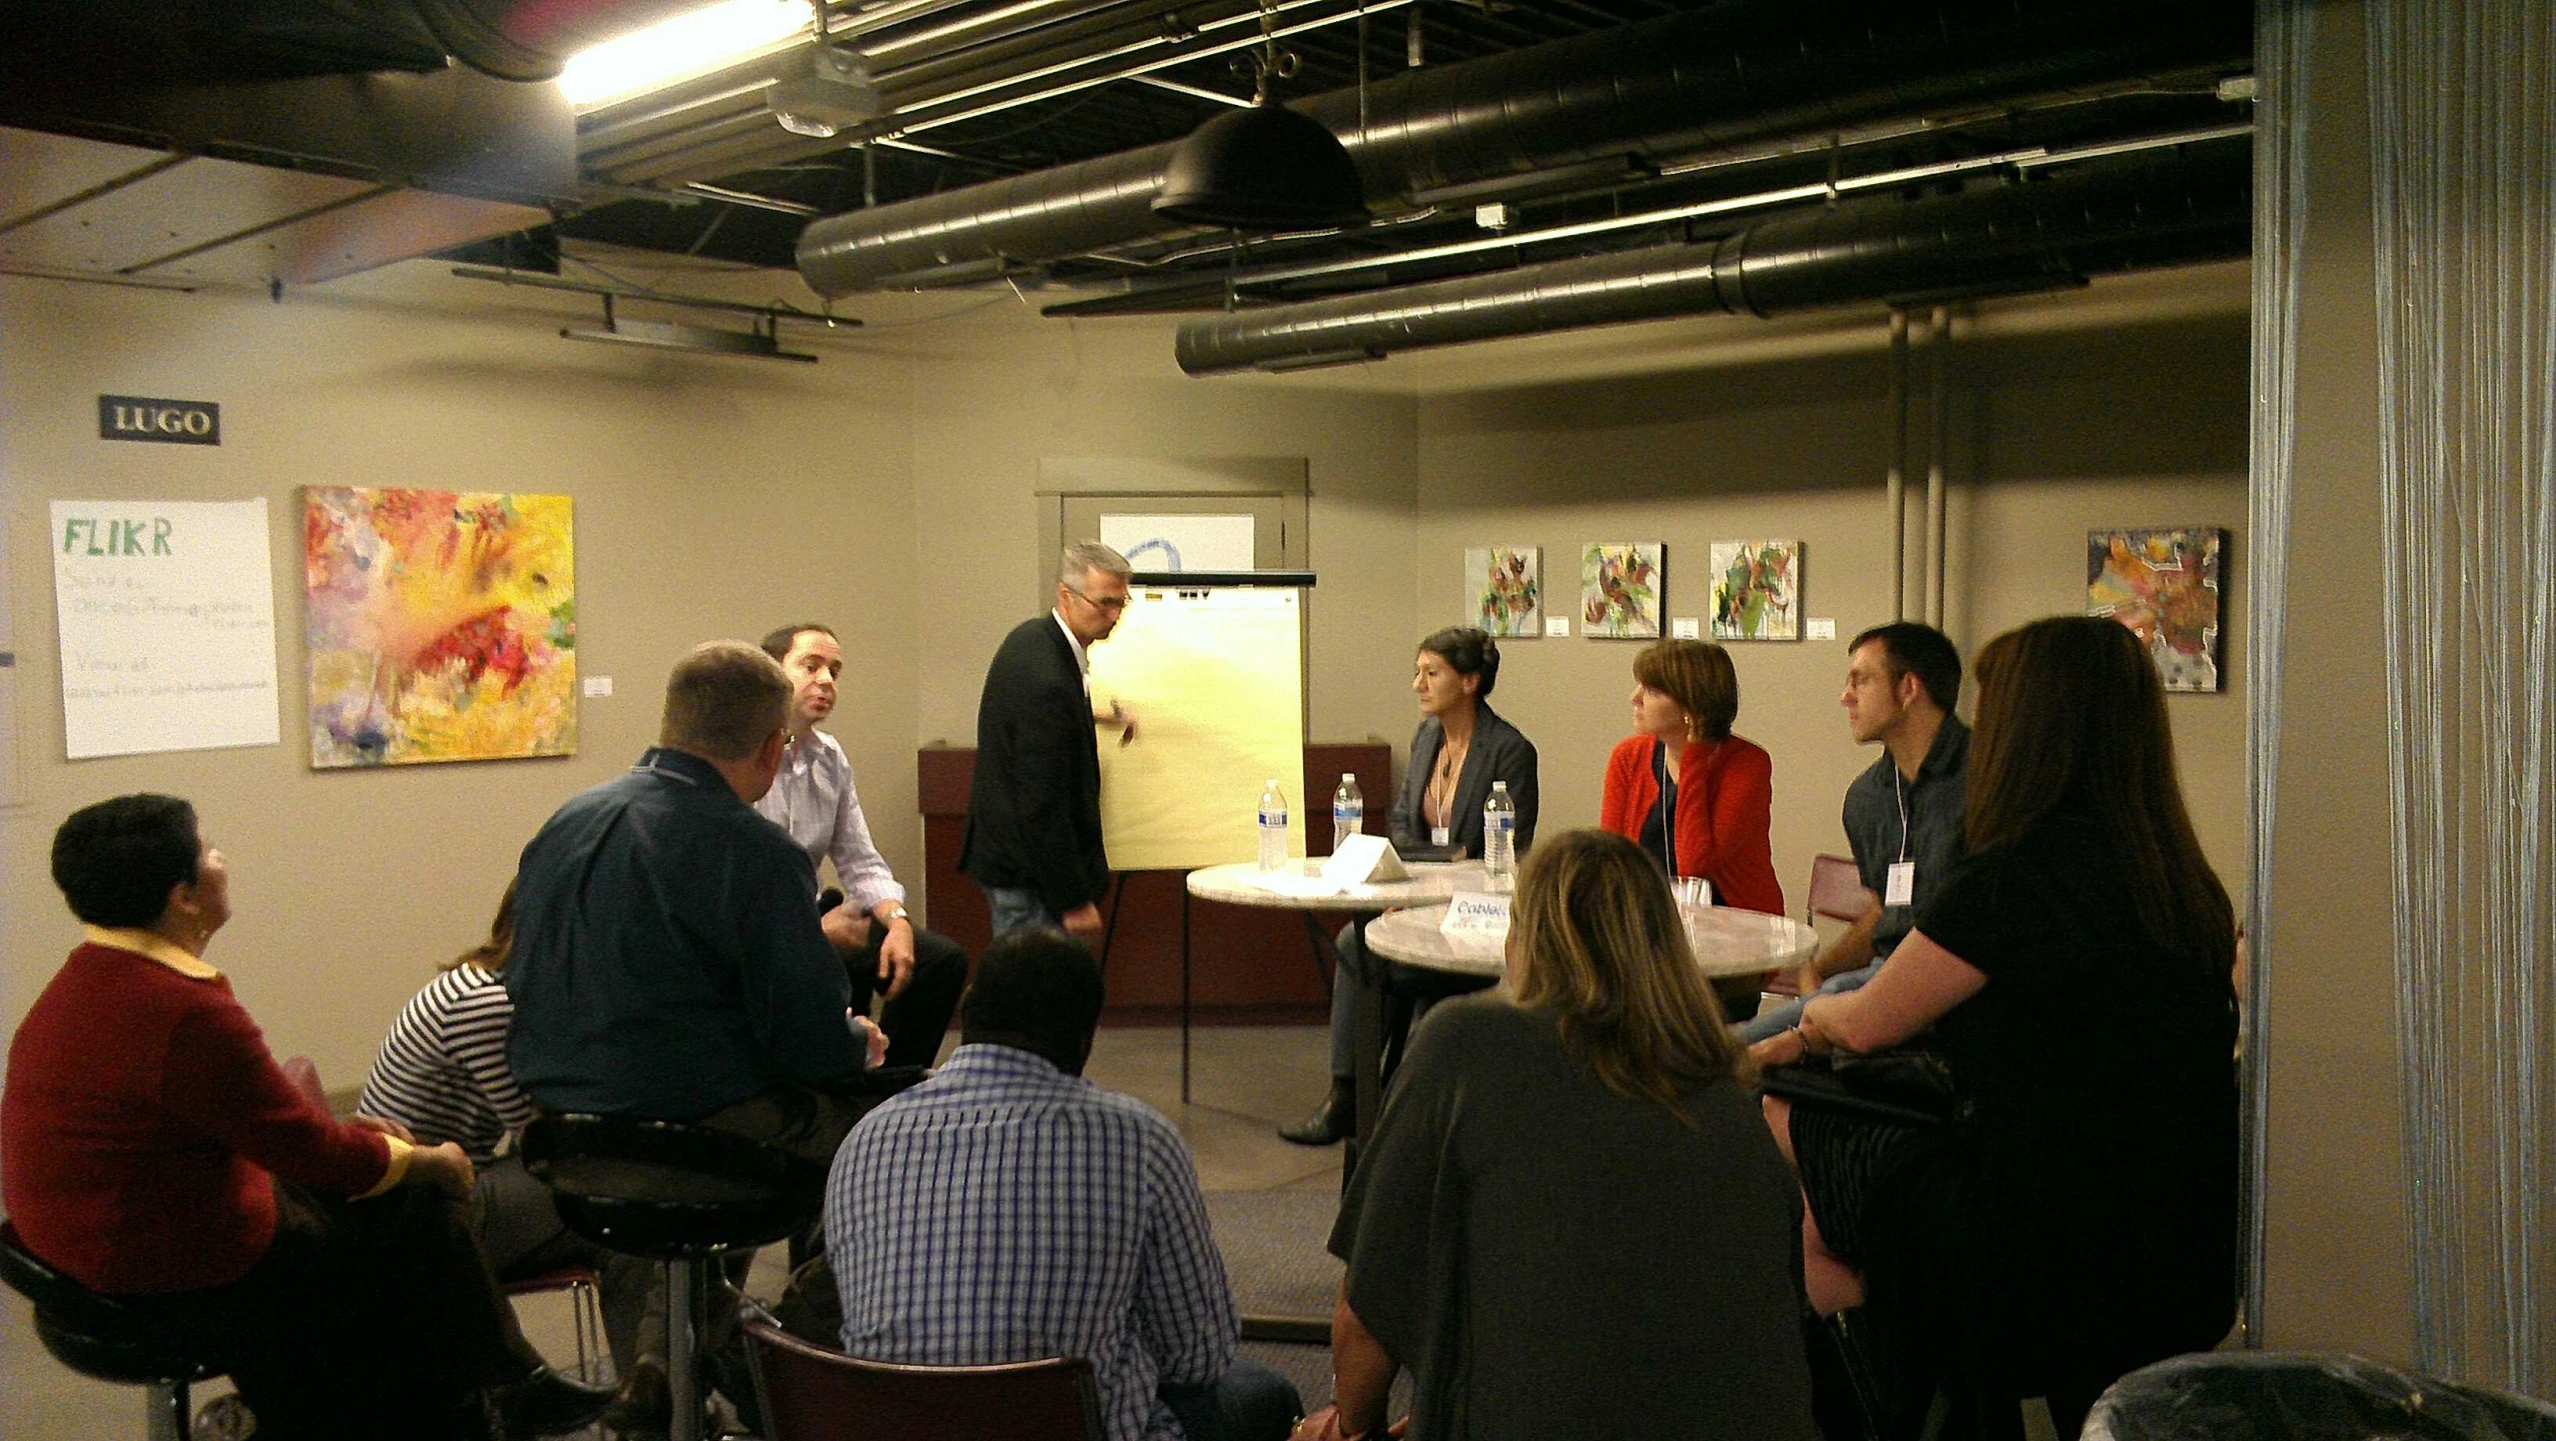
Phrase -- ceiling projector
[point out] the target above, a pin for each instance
(835, 94)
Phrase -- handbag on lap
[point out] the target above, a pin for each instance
(1909, 1085)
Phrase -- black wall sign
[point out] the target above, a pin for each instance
(170, 422)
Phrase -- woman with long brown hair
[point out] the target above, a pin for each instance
(1571, 1222)
(2076, 970)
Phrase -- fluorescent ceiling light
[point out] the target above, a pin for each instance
(694, 43)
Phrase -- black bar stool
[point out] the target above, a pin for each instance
(101, 1337)
(681, 1195)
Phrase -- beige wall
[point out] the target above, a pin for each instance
(889, 491)
(992, 399)
(2123, 405)
(714, 497)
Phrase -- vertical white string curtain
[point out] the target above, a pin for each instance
(2280, 242)
(2463, 156)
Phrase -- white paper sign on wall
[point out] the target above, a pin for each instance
(166, 611)
(1180, 542)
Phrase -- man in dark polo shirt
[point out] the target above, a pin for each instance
(668, 960)
(1903, 815)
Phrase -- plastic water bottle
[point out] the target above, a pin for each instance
(1348, 812)
(1500, 837)
(1273, 827)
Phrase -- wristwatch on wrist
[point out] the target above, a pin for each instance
(894, 916)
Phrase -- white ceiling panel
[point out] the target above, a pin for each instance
(195, 203)
(37, 170)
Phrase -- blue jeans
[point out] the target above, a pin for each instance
(1250, 1402)
(1017, 908)
(1776, 1020)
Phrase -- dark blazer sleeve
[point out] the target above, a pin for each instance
(1403, 822)
(1499, 753)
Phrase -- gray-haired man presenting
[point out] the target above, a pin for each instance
(1033, 840)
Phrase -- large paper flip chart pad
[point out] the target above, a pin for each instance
(1215, 677)
(167, 617)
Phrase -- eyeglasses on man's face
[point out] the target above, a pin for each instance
(1113, 603)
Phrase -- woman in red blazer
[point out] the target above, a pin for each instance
(1699, 799)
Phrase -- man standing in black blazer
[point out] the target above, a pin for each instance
(1033, 842)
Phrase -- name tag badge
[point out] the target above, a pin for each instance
(1437, 835)
(1900, 888)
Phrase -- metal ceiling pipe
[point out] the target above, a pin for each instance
(2014, 238)
(718, 125)
(1684, 84)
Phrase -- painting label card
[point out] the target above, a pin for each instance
(1757, 589)
(598, 686)
(442, 625)
(1620, 585)
(1557, 625)
(1504, 589)
(1820, 627)
(2164, 584)
(1686, 627)
(167, 619)
(1181, 542)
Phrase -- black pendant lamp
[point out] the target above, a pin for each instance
(1263, 169)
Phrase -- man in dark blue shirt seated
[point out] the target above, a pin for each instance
(668, 959)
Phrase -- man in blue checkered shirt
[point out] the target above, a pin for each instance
(1009, 1210)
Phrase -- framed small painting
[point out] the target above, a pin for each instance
(2165, 585)
(1505, 587)
(1757, 590)
(1620, 589)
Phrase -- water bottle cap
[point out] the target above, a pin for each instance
(1500, 786)
(1348, 775)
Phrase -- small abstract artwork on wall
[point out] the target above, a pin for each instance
(1757, 590)
(2165, 585)
(442, 625)
(1620, 585)
(1505, 587)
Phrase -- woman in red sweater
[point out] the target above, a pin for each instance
(158, 1154)
(1699, 799)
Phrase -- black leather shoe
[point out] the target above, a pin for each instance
(1330, 1122)
(643, 1406)
(547, 1403)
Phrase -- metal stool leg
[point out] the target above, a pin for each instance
(683, 1347)
(164, 1412)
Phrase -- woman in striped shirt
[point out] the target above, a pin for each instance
(442, 1073)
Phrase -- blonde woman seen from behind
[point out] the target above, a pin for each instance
(1596, 1096)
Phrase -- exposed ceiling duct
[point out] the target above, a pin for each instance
(2011, 238)
(1682, 86)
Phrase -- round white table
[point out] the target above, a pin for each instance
(1300, 887)
(1727, 942)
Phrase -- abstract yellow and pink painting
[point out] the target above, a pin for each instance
(442, 625)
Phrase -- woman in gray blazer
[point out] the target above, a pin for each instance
(1461, 748)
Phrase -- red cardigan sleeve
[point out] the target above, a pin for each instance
(1725, 809)
(220, 1078)
(1629, 789)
